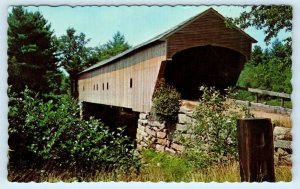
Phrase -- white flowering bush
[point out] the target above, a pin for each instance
(50, 130)
(213, 133)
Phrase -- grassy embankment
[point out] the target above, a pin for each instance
(156, 167)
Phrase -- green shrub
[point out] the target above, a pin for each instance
(213, 133)
(52, 131)
(245, 95)
(166, 102)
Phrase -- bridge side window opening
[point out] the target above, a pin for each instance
(103, 86)
(107, 85)
(82, 88)
(94, 87)
(97, 87)
(130, 83)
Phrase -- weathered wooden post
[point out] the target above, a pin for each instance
(256, 97)
(282, 102)
(256, 149)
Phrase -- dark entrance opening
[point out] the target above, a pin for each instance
(203, 65)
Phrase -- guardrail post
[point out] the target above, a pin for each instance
(256, 149)
(282, 102)
(256, 97)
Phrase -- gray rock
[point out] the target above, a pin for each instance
(183, 118)
(282, 133)
(141, 128)
(143, 122)
(162, 142)
(159, 148)
(186, 110)
(143, 116)
(144, 144)
(170, 150)
(181, 127)
(283, 144)
(150, 132)
(282, 157)
(161, 135)
(177, 147)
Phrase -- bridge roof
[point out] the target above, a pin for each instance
(162, 37)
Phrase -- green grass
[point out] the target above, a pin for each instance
(156, 167)
(277, 102)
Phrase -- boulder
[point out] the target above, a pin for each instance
(181, 127)
(143, 122)
(177, 147)
(282, 157)
(282, 133)
(183, 118)
(150, 132)
(162, 141)
(161, 135)
(159, 148)
(141, 128)
(170, 150)
(143, 116)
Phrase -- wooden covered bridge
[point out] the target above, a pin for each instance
(200, 51)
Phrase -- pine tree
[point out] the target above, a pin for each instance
(31, 54)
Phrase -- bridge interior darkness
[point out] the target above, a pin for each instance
(203, 65)
(113, 117)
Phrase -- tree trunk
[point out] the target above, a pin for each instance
(73, 80)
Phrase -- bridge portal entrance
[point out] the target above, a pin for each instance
(204, 65)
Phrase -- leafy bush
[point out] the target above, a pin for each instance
(52, 131)
(166, 102)
(213, 133)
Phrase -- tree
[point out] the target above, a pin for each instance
(31, 54)
(270, 70)
(113, 47)
(257, 55)
(271, 19)
(73, 55)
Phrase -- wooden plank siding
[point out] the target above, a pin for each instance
(208, 29)
(145, 64)
(142, 67)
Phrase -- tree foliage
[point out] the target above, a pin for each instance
(269, 69)
(271, 19)
(31, 54)
(166, 102)
(113, 47)
(73, 55)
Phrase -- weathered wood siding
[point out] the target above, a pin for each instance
(208, 29)
(142, 67)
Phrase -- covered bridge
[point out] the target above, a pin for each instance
(200, 51)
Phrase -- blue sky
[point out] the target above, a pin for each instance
(137, 23)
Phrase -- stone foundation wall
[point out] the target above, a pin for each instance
(159, 136)
(282, 144)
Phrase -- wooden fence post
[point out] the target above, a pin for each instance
(256, 97)
(282, 102)
(256, 149)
